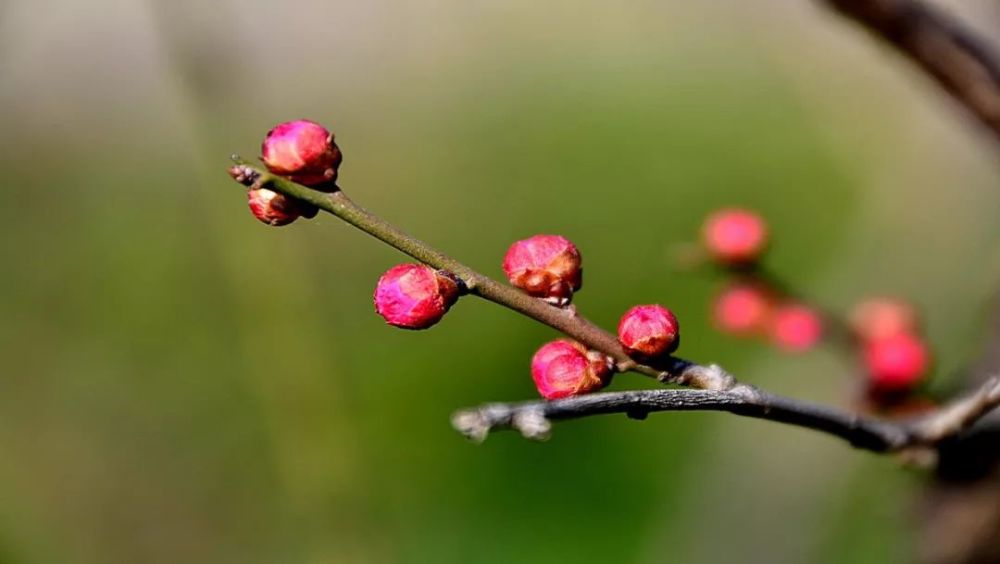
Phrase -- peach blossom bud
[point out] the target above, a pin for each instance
(273, 208)
(881, 317)
(735, 236)
(742, 309)
(565, 368)
(414, 296)
(796, 327)
(649, 331)
(545, 266)
(897, 363)
(302, 151)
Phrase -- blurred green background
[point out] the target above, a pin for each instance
(182, 384)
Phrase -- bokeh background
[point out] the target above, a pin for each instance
(182, 384)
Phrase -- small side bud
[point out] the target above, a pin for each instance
(649, 331)
(566, 368)
(880, 318)
(742, 309)
(273, 208)
(545, 266)
(414, 296)
(735, 237)
(896, 364)
(302, 151)
(796, 327)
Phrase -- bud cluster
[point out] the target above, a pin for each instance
(895, 356)
(301, 151)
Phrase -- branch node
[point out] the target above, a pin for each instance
(532, 424)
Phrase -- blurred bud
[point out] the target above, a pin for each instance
(734, 236)
(273, 208)
(565, 368)
(742, 309)
(302, 151)
(879, 318)
(896, 364)
(545, 266)
(795, 327)
(414, 296)
(649, 331)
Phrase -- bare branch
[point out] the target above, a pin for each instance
(532, 419)
(961, 63)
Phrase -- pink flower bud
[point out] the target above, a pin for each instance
(273, 208)
(565, 368)
(879, 318)
(796, 328)
(302, 151)
(735, 236)
(545, 266)
(896, 364)
(414, 296)
(649, 331)
(742, 309)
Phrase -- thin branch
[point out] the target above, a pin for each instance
(719, 390)
(566, 320)
(961, 63)
(532, 419)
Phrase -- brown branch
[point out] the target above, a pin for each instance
(960, 62)
(532, 419)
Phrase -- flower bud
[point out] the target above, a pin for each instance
(565, 368)
(414, 296)
(545, 266)
(302, 151)
(795, 327)
(273, 208)
(734, 236)
(742, 309)
(879, 318)
(897, 363)
(649, 331)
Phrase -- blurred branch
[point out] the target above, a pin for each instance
(962, 63)
(532, 419)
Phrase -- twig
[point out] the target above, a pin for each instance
(960, 62)
(719, 391)
(566, 320)
(532, 419)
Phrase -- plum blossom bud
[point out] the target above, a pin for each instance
(566, 368)
(796, 327)
(735, 236)
(882, 317)
(545, 266)
(273, 208)
(414, 296)
(649, 331)
(896, 364)
(302, 151)
(742, 309)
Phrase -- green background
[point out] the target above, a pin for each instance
(183, 384)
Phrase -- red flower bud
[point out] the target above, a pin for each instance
(879, 318)
(734, 236)
(273, 208)
(742, 309)
(796, 328)
(565, 368)
(649, 331)
(897, 363)
(545, 266)
(302, 151)
(414, 296)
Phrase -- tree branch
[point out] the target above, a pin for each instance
(719, 391)
(532, 419)
(961, 63)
